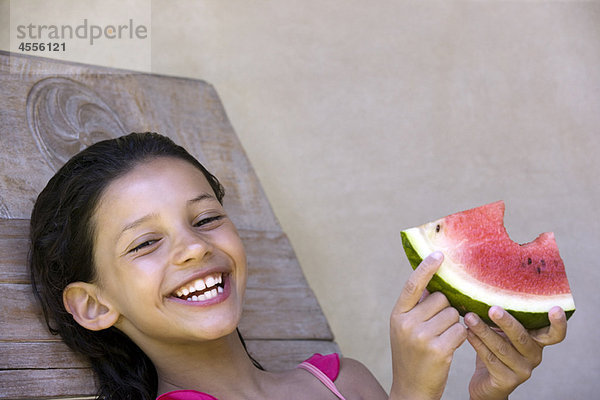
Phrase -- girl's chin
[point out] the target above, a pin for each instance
(217, 330)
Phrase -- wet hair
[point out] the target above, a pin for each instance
(62, 247)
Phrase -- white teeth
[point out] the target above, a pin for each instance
(211, 294)
(210, 281)
(207, 295)
(200, 285)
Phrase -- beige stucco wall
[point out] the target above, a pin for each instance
(364, 118)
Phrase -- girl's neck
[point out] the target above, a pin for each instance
(211, 367)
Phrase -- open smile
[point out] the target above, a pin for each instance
(210, 289)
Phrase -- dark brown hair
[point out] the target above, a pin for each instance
(61, 252)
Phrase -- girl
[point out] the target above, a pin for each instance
(137, 266)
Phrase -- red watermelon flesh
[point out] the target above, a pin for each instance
(477, 238)
(483, 267)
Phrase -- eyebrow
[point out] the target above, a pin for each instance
(146, 218)
(137, 223)
(202, 197)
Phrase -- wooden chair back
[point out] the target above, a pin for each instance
(49, 110)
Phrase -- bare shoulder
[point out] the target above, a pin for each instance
(356, 381)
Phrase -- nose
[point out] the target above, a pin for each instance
(190, 247)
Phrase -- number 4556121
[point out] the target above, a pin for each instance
(40, 46)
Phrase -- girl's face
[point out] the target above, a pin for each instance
(167, 257)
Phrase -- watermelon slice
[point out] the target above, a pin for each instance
(483, 267)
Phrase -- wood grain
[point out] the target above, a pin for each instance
(274, 355)
(29, 377)
(50, 110)
(46, 383)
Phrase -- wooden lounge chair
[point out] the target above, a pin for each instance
(51, 109)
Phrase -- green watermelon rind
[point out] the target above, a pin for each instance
(465, 304)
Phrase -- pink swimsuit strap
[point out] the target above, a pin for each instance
(325, 369)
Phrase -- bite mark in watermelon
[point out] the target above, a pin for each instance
(483, 267)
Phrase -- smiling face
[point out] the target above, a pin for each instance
(167, 257)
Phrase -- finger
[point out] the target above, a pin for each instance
(443, 321)
(424, 295)
(454, 336)
(516, 333)
(418, 280)
(495, 343)
(557, 330)
(489, 359)
(431, 306)
(501, 358)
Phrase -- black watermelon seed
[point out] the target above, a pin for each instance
(539, 271)
(529, 261)
(437, 228)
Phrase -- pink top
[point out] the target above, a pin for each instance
(325, 368)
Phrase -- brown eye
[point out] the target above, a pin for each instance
(142, 245)
(207, 221)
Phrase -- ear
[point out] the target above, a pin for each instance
(81, 300)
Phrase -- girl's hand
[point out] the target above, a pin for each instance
(506, 359)
(424, 331)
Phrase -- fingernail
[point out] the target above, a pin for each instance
(556, 312)
(496, 312)
(436, 255)
(471, 319)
